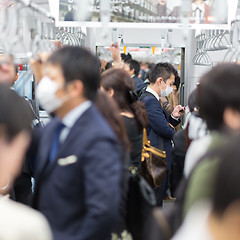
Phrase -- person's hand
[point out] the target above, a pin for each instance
(103, 64)
(175, 91)
(115, 50)
(37, 65)
(57, 43)
(11, 159)
(178, 111)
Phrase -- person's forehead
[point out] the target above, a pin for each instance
(52, 69)
(171, 80)
(52, 65)
(6, 58)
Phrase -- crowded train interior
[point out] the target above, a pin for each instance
(119, 119)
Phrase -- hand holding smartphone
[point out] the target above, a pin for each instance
(182, 110)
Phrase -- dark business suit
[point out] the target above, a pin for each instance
(158, 130)
(80, 194)
(139, 84)
(158, 124)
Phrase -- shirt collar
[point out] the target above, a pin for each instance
(150, 90)
(70, 119)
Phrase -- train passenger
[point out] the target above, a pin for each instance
(79, 164)
(133, 68)
(217, 217)
(22, 189)
(161, 125)
(16, 220)
(118, 84)
(219, 106)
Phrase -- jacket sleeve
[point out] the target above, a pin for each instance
(102, 175)
(31, 154)
(157, 119)
(173, 121)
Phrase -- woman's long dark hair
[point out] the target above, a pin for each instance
(109, 110)
(123, 86)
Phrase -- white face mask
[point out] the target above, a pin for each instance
(167, 91)
(46, 94)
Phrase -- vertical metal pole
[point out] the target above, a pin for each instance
(105, 16)
(182, 77)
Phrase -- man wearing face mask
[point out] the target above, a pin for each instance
(78, 168)
(161, 125)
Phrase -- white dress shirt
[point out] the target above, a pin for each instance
(70, 119)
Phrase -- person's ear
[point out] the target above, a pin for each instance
(231, 118)
(132, 71)
(110, 92)
(159, 80)
(76, 89)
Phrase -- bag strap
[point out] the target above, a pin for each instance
(145, 138)
(145, 94)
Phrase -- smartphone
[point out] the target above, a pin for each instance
(182, 110)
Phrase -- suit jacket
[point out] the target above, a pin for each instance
(79, 193)
(139, 84)
(158, 124)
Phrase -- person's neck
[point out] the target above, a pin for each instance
(155, 88)
(68, 107)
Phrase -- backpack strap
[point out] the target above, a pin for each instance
(145, 94)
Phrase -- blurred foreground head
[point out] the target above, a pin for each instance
(71, 77)
(225, 217)
(219, 98)
(15, 113)
(15, 127)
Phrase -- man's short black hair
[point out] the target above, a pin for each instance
(133, 64)
(219, 89)
(126, 57)
(163, 70)
(192, 100)
(177, 81)
(78, 63)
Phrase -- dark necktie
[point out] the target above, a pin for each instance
(55, 142)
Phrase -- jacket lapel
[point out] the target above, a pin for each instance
(71, 138)
(164, 111)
